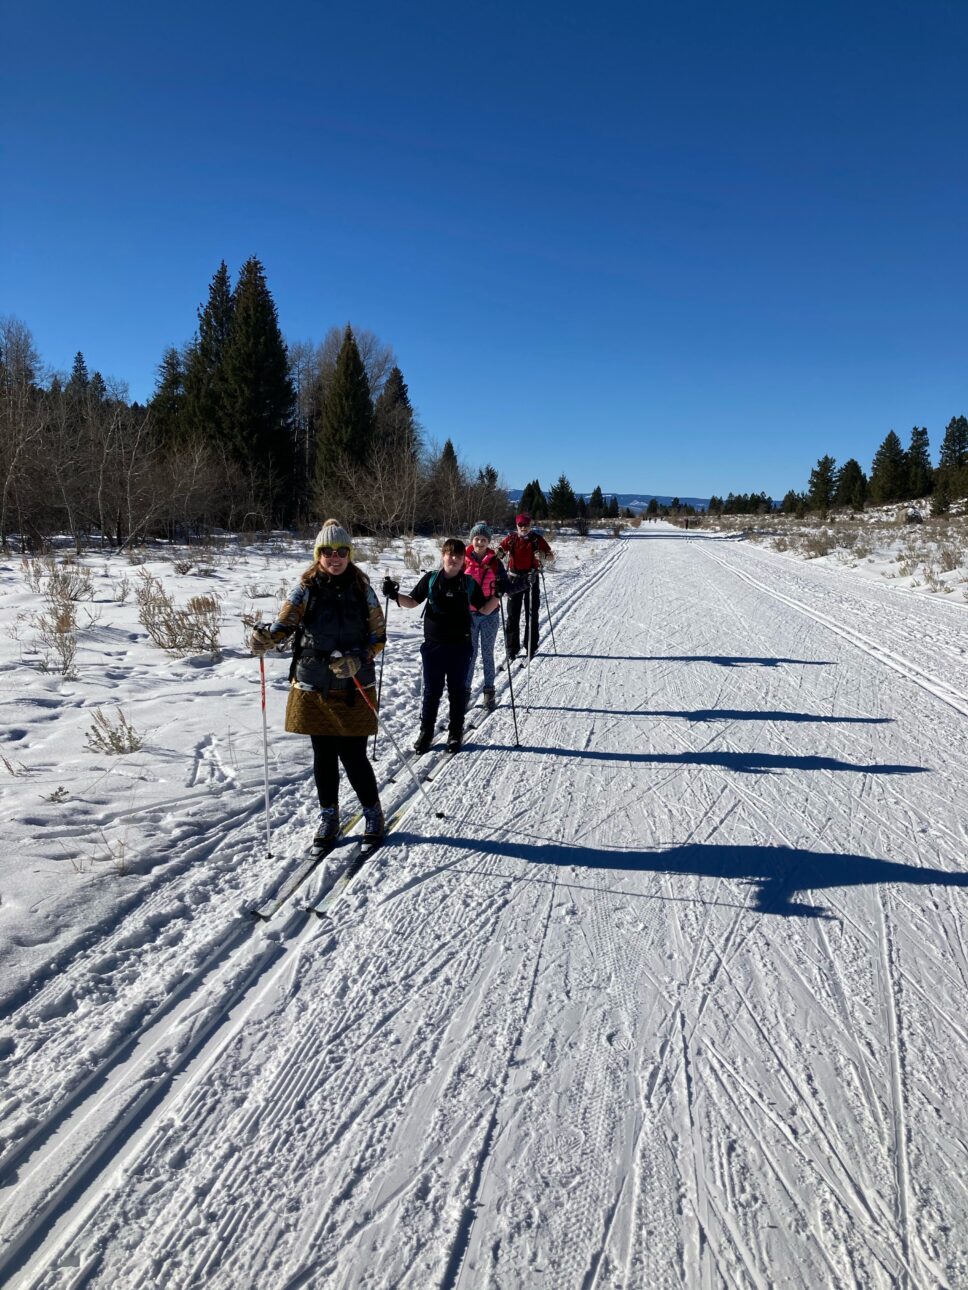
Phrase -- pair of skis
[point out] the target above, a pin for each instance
(323, 902)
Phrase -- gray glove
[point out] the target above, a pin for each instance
(260, 640)
(344, 665)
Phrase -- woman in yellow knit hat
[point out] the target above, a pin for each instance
(338, 626)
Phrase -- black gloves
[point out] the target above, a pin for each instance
(391, 589)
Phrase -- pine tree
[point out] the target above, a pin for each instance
(596, 504)
(653, 506)
(561, 500)
(258, 398)
(851, 487)
(168, 403)
(205, 409)
(394, 424)
(822, 484)
(888, 481)
(920, 473)
(953, 460)
(79, 381)
(346, 419)
(612, 508)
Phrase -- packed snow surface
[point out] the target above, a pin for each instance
(674, 995)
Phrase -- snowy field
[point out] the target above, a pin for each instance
(674, 995)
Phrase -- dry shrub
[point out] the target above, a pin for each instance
(817, 544)
(192, 630)
(56, 628)
(113, 738)
(410, 557)
(949, 558)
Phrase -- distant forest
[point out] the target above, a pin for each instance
(245, 431)
(242, 432)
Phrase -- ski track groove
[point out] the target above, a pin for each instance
(322, 1063)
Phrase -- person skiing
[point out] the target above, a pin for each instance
(486, 569)
(525, 552)
(451, 595)
(338, 626)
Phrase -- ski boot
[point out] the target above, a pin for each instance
(374, 827)
(424, 740)
(454, 740)
(327, 831)
(490, 702)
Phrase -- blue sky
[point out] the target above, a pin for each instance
(680, 248)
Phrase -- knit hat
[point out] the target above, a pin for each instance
(332, 534)
(481, 529)
(523, 518)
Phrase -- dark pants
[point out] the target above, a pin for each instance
(444, 663)
(328, 752)
(528, 596)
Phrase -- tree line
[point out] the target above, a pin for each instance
(243, 431)
(897, 474)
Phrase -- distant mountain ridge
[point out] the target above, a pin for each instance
(634, 501)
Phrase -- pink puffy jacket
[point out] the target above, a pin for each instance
(486, 571)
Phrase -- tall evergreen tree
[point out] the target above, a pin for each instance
(888, 482)
(257, 392)
(394, 424)
(168, 402)
(596, 503)
(920, 473)
(205, 405)
(953, 460)
(561, 500)
(79, 380)
(612, 508)
(346, 419)
(851, 487)
(822, 484)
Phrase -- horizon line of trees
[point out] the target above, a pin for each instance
(897, 475)
(243, 431)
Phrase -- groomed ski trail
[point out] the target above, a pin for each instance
(673, 997)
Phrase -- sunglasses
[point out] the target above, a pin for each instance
(329, 551)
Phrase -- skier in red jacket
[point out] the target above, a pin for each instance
(526, 552)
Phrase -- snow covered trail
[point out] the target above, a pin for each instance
(674, 995)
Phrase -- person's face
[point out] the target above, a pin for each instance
(334, 559)
(524, 529)
(479, 543)
(452, 563)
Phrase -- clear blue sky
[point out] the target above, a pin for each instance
(676, 247)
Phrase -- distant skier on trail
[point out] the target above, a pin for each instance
(446, 650)
(526, 552)
(339, 627)
(481, 562)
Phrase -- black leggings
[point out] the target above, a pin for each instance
(328, 752)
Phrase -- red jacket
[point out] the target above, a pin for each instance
(522, 551)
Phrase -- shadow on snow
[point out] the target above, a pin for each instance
(718, 714)
(778, 873)
(721, 660)
(751, 763)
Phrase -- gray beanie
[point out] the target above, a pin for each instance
(332, 534)
(481, 529)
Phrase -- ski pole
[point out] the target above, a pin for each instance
(507, 660)
(383, 659)
(265, 750)
(423, 791)
(551, 626)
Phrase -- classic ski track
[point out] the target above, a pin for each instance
(897, 1091)
(903, 666)
(711, 958)
(225, 948)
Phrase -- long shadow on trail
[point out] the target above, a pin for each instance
(750, 763)
(717, 714)
(777, 872)
(721, 660)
